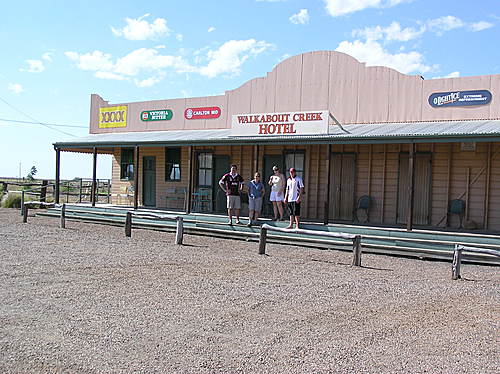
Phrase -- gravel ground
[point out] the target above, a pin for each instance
(89, 300)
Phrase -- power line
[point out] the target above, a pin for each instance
(37, 123)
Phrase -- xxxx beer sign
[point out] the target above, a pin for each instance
(113, 116)
(280, 124)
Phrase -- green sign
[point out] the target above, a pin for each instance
(157, 115)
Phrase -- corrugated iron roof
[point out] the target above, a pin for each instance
(354, 133)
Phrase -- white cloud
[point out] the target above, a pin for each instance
(302, 17)
(34, 66)
(342, 7)
(137, 62)
(445, 23)
(109, 75)
(481, 25)
(389, 33)
(373, 54)
(141, 29)
(454, 74)
(179, 37)
(15, 87)
(47, 56)
(229, 57)
(148, 82)
(93, 61)
(210, 29)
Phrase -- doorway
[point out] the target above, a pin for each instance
(342, 186)
(422, 188)
(149, 181)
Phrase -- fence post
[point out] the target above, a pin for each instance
(22, 203)
(356, 243)
(109, 190)
(128, 225)
(62, 224)
(457, 259)
(262, 241)
(80, 191)
(25, 213)
(179, 233)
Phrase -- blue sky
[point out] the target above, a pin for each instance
(56, 53)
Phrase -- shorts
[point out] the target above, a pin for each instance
(233, 202)
(294, 208)
(275, 197)
(255, 203)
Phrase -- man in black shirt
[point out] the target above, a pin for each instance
(232, 184)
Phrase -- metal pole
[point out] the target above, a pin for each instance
(109, 190)
(326, 217)
(58, 172)
(136, 177)
(411, 188)
(94, 175)
(190, 180)
(80, 193)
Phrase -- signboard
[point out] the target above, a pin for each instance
(157, 115)
(113, 116)
(460, 98)
(289, 123)
(210, 112)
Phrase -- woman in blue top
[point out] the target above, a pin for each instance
(255, 195)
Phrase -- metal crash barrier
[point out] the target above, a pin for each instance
(179, 232)
(457, 257)
(356, 239)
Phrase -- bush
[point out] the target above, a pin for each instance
(11, 200)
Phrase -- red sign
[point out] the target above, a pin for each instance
(202, 113)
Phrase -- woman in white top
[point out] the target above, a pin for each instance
(277, 183)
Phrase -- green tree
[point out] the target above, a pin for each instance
(32, 173)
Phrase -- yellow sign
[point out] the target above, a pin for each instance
(113, 116)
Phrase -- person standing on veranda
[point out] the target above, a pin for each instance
(277, 183)
(293, 197)
(255, 196)
(232, 184)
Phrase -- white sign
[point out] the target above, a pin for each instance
(280, 124)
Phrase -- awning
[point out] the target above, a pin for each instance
(415, 132)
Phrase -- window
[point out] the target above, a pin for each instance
(295, 160)
(172, 164)
(127, 164)
(205, 173)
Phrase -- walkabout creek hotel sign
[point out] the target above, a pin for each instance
(280, 124)
(113, 116)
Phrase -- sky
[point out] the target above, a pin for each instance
(55, 54)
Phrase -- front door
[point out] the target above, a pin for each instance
(421, 191)
(342, 183)
(149, 181)
(221, 167)
(269, 162)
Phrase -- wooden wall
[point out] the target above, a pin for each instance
(473, 176)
